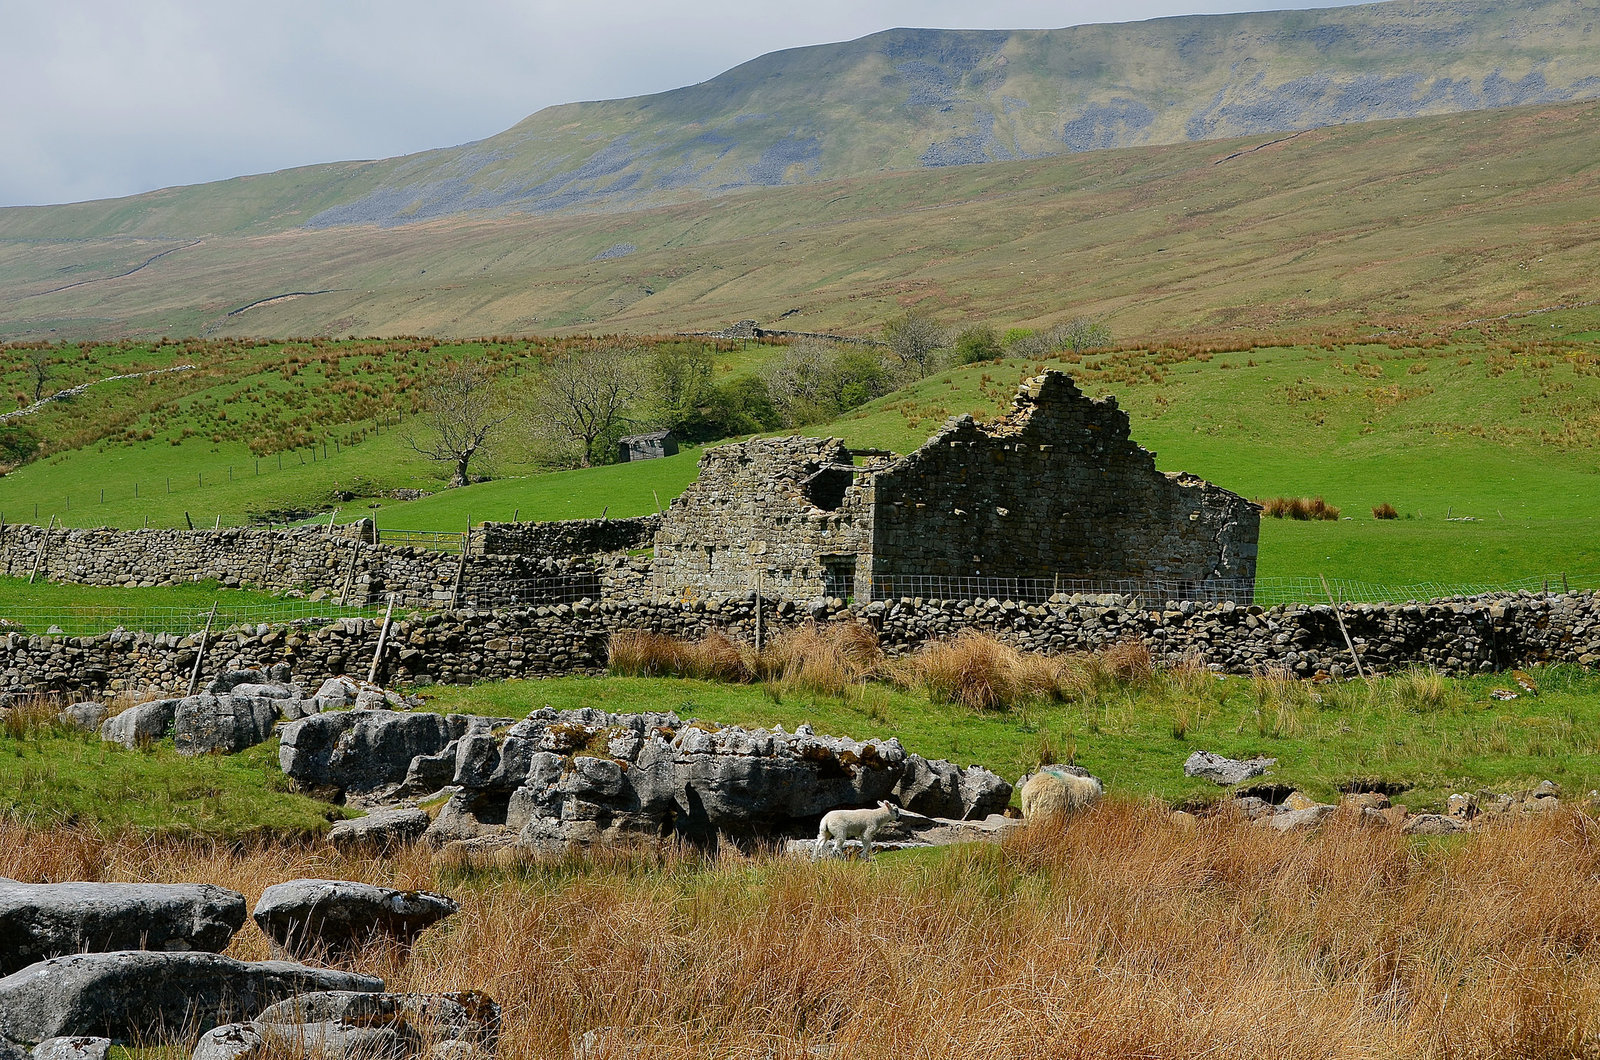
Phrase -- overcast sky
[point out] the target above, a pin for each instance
(113, 97)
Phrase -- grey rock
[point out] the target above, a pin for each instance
(308, 1041)
(1294, 820)
(339, 915)
(81, 1048)
(43, 920)
(1225, 771)
(467, 1015)
(359, 750)
(1432, 824)
(229, 680)
(380, 831)
(1254, 807)
(87, 715)
(268, 691)
(223, 723)
(944, 789)
(143, 995)
(141, 724)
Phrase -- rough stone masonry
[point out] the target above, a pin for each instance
(1054, 490)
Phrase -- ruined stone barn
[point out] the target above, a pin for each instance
(1053, 492)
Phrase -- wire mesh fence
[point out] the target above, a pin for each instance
(451, 541)
(1267, 592)
(79, 620)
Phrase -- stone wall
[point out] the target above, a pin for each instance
(1457, 637)
(333, 560)
(793, 510)
(1056, 488)
(572, 537)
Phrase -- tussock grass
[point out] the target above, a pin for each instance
(1301, 508)
(1119, 936)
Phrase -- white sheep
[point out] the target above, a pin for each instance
(1053, 794)
(840, 825)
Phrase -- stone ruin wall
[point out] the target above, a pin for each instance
(571, 537)
(1457, 637)
(752, 512)
(1056, 488)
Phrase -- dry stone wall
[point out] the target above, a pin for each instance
(1458, 637)
(571, 537)
(342, 562)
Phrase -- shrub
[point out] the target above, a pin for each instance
(828, 660)
(1385, 511)
(972, 669)
(1303, 508)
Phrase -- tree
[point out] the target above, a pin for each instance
(1081, 333)
(39, 371)
(977, 343)
(463, 409)
(583, 396)
(915, 340)
(813, 381)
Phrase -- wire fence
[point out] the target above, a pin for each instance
(79, 620)
(1267, 592)
(596, 587)
(451, 541)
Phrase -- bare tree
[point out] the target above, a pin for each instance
(915, 339)
(39, 371)
(463, 408)
(583, 395)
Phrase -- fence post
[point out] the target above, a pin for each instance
(383, 636)
(1342, 631)
(200, 656)
(350, 573)
(38, 557)
(758, 612)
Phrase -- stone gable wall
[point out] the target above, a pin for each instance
(1055, 488)
(749, 512)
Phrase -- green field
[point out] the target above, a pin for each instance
(1434, 736)
(1486, 441)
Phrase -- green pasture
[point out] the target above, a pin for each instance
(1432, 735)
(1485, 442)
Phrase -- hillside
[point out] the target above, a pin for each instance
(910, 98)
(1484, 440)
(1382, 223)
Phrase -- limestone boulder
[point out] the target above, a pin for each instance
(140, 724)
(226, 723)
(944, 789)
(134, 995)
(305, 1041)
(43, 920)
(337, 916)
(79, 1048)
(87, 715)
(468, 1015)
(368, 750)
(1225, 771)
(383, 830)
(1295, 820)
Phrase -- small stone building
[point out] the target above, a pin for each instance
(651, 446)
(1055, 492)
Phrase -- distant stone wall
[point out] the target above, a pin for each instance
(341, 562)
(777, 507)
(1056, 487)
(571, 537)
(1457, 637)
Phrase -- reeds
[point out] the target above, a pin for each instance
(1119, 936)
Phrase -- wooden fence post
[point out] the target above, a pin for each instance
(383, 636)
(200, 656)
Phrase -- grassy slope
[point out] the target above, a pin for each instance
(1459, 216)
(1459, 739)
(1507, 437)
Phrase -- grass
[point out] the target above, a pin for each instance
(53, 776)
(87, 609)
(1434, 734)
(1124, 935)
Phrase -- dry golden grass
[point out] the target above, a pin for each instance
(1303, 508)
(1121, 936)
(829, 659)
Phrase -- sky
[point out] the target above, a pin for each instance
(114, 97)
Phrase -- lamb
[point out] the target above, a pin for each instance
(1054, 792)
(840, 825)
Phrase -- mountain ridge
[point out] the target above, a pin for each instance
(915, 98)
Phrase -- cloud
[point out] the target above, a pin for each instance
(129, 97)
